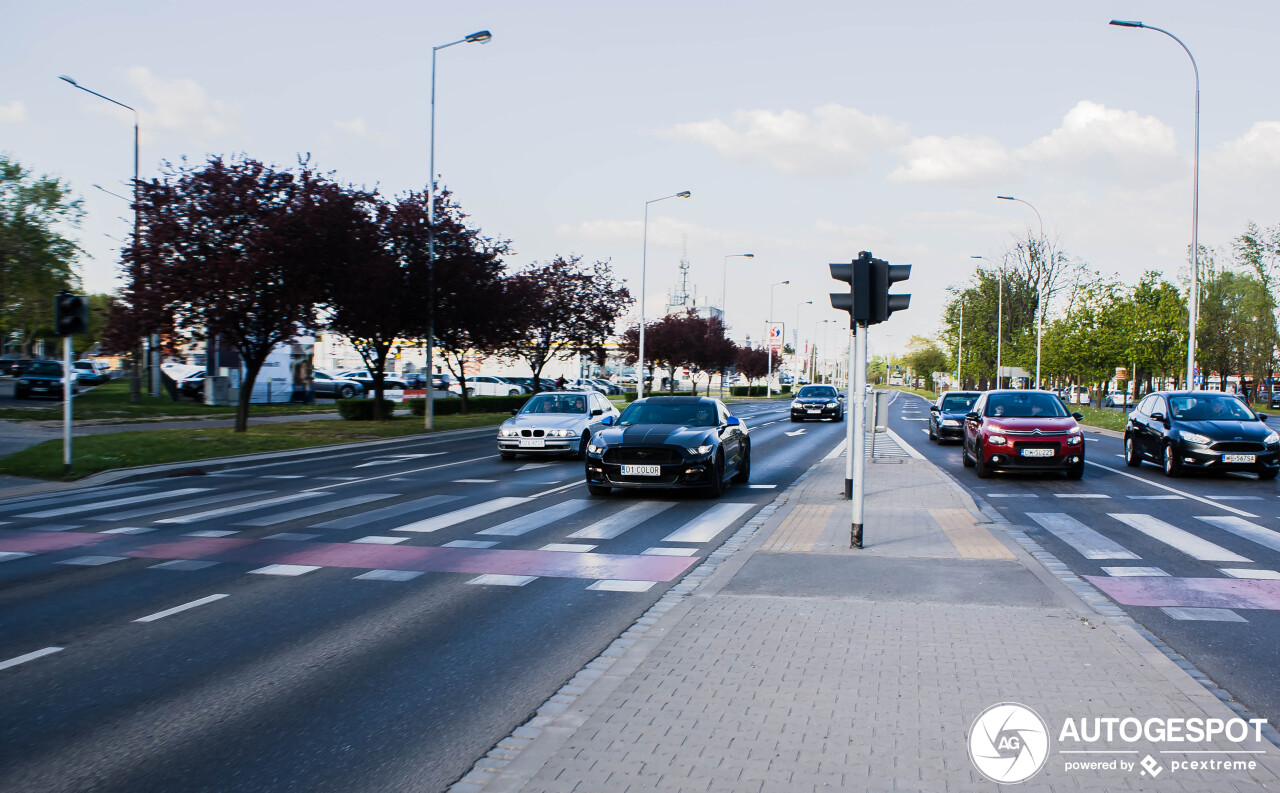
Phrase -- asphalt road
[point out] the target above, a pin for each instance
(1195, 559)
(373, 619)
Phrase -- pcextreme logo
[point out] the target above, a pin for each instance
(1009, 743)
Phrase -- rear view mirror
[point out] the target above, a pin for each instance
(1262, 417)
(971, 417)
(1158, 417)
(733, 422)
(515, 411)
(1078, 416)
(607, 420)
(935, 409)
(597, 412)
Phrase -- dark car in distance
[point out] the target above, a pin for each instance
(1200, 431)
(946, 416)
(42, 378)
(1022, 430)
(817, 402)
(669, 442)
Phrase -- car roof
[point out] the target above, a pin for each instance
(679, 399)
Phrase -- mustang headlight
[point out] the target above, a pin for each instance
(1271, 438)
(700, 450)
(24, 382)
(508, 432)
(1195, 437)
(594, 448)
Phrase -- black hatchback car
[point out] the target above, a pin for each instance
(1200, 431)
(946, 416)
(42, 378)
(817, 402)
(669, 442)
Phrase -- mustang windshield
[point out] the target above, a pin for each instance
(687, 414)
(1209, 408)
(555, 403)
(816, 392)
(1025, 406)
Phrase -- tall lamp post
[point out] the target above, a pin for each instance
(135, 385)
(479, 37)
(1039, 284)
(644, 269)
(795, 334)
(1194, 304)
(768, 342)
(724, 297)
(999, 318)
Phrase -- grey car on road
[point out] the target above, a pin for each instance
(554, 422)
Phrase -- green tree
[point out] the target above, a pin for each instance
(924, 357)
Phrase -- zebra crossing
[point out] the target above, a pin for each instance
(399, 548)
(1227, 588)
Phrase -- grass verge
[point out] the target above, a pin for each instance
(96, 453)
(111, 401)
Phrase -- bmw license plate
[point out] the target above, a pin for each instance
(813, 410)
(641, 470)
(1037, 452)
(532, 443)
(1239, 458)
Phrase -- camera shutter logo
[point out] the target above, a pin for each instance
(1008, 743)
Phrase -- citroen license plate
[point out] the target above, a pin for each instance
(1239, 458)
(1037, 452)
(641, 470)
(532, 443)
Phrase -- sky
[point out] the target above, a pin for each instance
(806, 131)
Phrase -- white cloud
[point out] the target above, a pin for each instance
(833, 139)
(355, 126)
(956, 160)
(13, 113)
(1255, 151)
(179, 107)
(1103, 141)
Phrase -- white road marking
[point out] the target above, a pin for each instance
(9, 556)
(183, 564)
(1182, 493)
(560, 489)
(159, 615)
(292, 536)
(266, 502)
(469, 544)
(339, 478)
(907, 418)
(706, 526)
(285, 569)
(1012, 495)
(92, 561)
(374, 539)
(128, 530)
(1089, 543)
(1155, 498)
(567, 547)
(536, 520)
(57, 527)
(618, 522)
(1134, 572)
(1246, 529)
(22, 659)
(389, 575)
(837, 451)
(669, 552)
(189, 504)
(52, 513)
(908, 448)
(1244, 572)
(761, 487)
(394, 511)
(211, 533)
(1235, 498)
(282, 476)
(464, 514)
(413, 470)
(492, 579)
(1183, 541)
(794, 434)
(534, 466)
(474, 481)
(621, 586)
(43, 499)
(1081, 495)
(1202, 614)
(395, 458)
(315, 509)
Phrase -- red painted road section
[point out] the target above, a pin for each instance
(555, 564)
(1222, 593)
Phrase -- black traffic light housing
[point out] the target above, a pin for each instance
(868, 300)
(70, 313)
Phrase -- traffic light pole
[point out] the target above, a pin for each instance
(858, 449)
(66, 404)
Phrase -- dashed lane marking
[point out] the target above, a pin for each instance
(1179, 539)
(621, 586)
(1203, 614)
(53, 513)
(1246, 529)
(537, 519)
(22, 659)
(466, 513)
(1121, 572)
(491, 579)
(286, 569)
(1244, 572)
(1087, 542)
(159, 615)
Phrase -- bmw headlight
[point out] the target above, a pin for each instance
(508, 432)
(1271, 439)
(795, 404)
(700, 450)
(560, 433)
(1195, 437)
(833, 404)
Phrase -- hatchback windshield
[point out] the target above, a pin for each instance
(1209, 408)
(1025, 406)
(555, 403)
(685, 414)
(45, 368)
(816, 392)
(958, 403)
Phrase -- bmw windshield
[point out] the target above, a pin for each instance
(555, 403)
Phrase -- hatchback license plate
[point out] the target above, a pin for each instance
(532, 443)
(1239, 458)
(641, 470)
(1037, 452)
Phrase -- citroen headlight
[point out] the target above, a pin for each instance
(1074, 430)
(700, 450)
(1271, 439)
(1074, 440)
(508, 432)
(1195, 437)
(996, 440)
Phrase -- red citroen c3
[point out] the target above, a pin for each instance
(1023, 431)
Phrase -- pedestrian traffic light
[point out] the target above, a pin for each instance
(70, 313)
(884, 275)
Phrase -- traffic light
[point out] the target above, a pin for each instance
(884, 275)
(70, 313)
(868, 301)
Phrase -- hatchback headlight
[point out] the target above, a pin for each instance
(700, 450)
(950, 423)
(1074, 440)
(508, 432)
(996, 440)
(1271, 438)
(1195, 437)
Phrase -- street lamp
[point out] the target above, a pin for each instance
(644, 262)
(135, 385)
(724, 298)
(999, 317)
(768, 342)
(1194, 304)
(795, 334)
(1039, 283)
(479, 37)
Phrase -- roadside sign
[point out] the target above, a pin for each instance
(775, 335)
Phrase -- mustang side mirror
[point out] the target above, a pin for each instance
(1078, 416)
(733, 422)
(971, 417)
(607, 420)
(597, 412)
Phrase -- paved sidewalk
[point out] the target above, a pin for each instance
(789, 662)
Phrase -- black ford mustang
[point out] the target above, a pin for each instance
(669, 442)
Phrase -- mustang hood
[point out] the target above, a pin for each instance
(656, 434)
